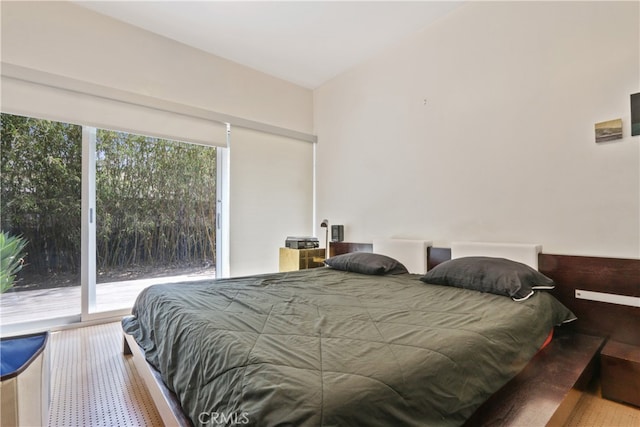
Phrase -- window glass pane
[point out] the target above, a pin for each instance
(40, 201)
(156, 213)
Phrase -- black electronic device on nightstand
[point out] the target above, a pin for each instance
(301, 242)
(337, 233)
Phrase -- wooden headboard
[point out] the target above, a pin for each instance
(609, 275)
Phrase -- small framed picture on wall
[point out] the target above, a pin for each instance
(635, 114)
(609, 130)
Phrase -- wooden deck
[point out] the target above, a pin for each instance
(18, 307)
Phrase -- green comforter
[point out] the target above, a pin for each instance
(329, 348)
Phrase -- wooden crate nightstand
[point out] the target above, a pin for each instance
(300, 259)
(620, 372)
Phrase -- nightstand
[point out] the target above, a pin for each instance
(620, 372)
(339, 248)
(300, 259)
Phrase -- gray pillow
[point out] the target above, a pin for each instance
(366, 263)
(494, 275)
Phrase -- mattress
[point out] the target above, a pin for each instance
(323, 347)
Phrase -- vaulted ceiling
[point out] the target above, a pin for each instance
(304, 42)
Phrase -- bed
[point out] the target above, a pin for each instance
(363, 342)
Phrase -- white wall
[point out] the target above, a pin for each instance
(503, 149)
(71, 41)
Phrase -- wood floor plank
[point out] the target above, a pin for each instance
(27, 306)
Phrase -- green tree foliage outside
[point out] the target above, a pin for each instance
(155, 199)
(40, 196)
(11, 261)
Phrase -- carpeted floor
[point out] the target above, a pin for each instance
(594, 411)
(94, 384)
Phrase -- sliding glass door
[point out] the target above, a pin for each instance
(155, 205)
(40, 202)
(103, 215)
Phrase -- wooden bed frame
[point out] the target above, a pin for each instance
(547, 389)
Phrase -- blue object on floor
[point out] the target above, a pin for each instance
(16, 353)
